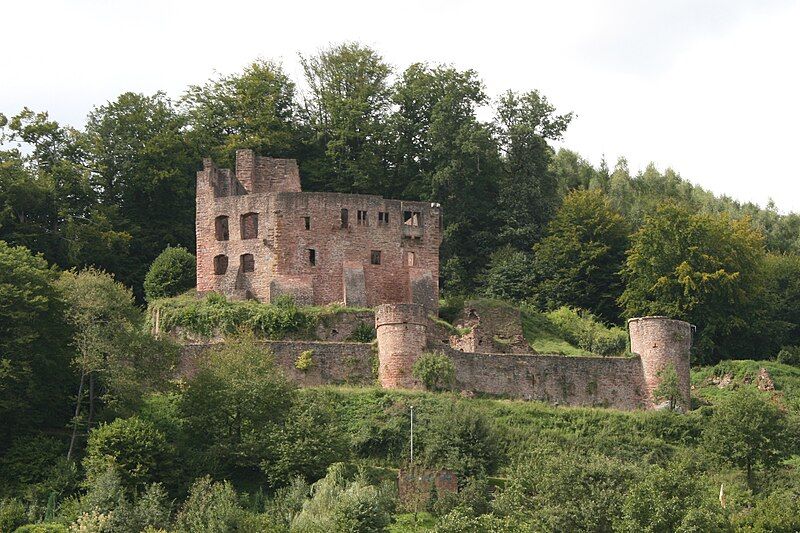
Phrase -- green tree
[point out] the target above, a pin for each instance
(529, 189)
(508, 275)
(34, 361)
(253, 109)
(137, 451)
(235, 406)
(346, 111)
(442, 153)
(143, 170)
(435, 370)
(669, 387)
(118, 362)
(748, 431)
(577, 264)
(171, 273)
(705, 269)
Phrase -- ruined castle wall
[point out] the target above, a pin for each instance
(578, 381)
(333, 362)
(344, 269)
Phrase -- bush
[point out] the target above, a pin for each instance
(134, 447)
(338, 504)
(12, 514)
(789, 355)
(435, 370)
(584, 330)
(364, 332)
(211, 507)
(304, 360)
(216, 315)
(43, 528)
(170, 274)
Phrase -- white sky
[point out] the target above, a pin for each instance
(708, 87)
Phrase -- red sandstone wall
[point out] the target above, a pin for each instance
(579, 381)
(336, 246)
(660, 342)
(333, 362)
(281, 249)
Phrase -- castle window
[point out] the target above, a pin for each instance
(312, 257)
(375, 257)
(411, 260)
(221, 228)
(220, 264)
(247, 263)
(411, 218)
(383, 218)
(307, 222)
(249, 225)
(344, 218)
(362, 217)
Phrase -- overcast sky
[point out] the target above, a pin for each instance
(709, 88)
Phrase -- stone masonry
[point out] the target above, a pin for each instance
(259, 236)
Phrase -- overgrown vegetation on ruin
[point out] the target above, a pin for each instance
(213, 314)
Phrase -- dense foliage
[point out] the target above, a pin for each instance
(172, 273)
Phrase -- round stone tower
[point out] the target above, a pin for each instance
(401, 330)
(660, 342)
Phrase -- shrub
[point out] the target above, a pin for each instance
(304, 360)
(210, 508)
(789, 355)
(43, 528)
(363, 332)
(138, 451)
(30, 460)
(338, 504)
(12, 514)
(170, 274)
(584, 330)
(435, 370)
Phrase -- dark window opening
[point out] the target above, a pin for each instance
(220, 264)
(248, 263)
(249, 224)
(344, 218)
(221, 228)
(312, 257)
(375, 257)
(383, 218)
(307, 222)
(411, 218)
(362, 217)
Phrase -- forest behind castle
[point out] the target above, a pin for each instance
(97, 436)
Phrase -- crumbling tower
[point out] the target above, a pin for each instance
(660, 342)
(402, 336)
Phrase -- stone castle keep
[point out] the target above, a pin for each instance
(259, 236)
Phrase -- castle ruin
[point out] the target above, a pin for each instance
(259, 236)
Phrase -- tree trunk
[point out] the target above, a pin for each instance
(75, 418)
(91, 401)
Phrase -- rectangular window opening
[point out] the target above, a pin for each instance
(247, 263)
(312, 257)
(249, 225)
(362, 218)
(307, 222)
(383, 217)
(410, 259)
(375, 257)
(411, 218)
(345, 216)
